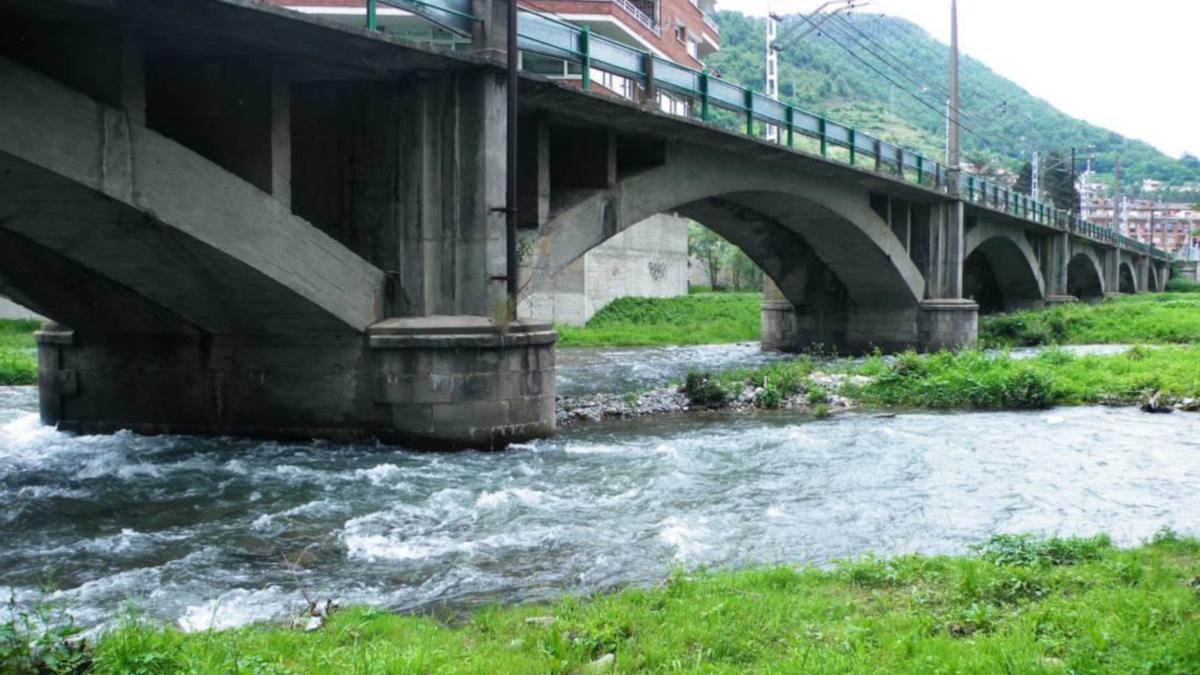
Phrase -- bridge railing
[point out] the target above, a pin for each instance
(714, 100)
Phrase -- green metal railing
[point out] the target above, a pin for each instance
(542, 35)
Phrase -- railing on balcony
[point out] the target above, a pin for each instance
(711, 23)
(639, 16)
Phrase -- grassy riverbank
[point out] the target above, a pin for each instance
(695, 319)
(1016, 605)
(1148, 318)
(971, 380)
(17, 364)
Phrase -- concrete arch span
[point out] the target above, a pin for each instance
(192, 246)
(1085, 275)
(1001, 270)
(832, 257)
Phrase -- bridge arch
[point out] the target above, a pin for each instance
(1085, 276)
(1127, 278)
(1153, 281)
(1000, 269)
(818, 239)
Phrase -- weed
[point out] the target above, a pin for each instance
(703, 389)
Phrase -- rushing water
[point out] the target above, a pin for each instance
(221, 531)
(621, 369)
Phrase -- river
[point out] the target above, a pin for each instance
(219, 532)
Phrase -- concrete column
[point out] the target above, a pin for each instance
(945, 320)
(780, 325)
(281, 136)
(533, 185)
(1054, 269)
(1110, 259)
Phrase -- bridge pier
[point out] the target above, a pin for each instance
(243, 244)
(832, 319)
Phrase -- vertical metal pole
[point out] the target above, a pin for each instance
(1074, 192)
(585, 58)
(704, 96)
(791, 126)
(952, 160)
(749, 100)
(372, 22)
(510, 149)
(650, 94)
(824, 140)
(850, 133)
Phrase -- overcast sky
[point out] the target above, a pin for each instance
(1126, 65)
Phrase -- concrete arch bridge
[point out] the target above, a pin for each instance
(248, 221)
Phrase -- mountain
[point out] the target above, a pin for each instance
(1002, 123)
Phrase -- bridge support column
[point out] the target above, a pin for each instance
(780, 329)
(1111, 259)
(945, 320)
(1055, 261)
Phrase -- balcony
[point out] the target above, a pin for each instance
(640, 16)
(711, 23)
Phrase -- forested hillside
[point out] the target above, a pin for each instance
(1002, 122)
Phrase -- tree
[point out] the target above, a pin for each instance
(742, 270)
(1024, 179)
(709, 248)
(1056, 182)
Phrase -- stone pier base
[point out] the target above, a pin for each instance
(430, 383)
(1060, 299)
(947, 324)
(934, 325)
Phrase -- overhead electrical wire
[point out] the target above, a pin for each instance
(887, 77)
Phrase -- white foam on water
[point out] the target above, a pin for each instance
(239, 607)
(684, 536)
(378, 475)
(490, 500)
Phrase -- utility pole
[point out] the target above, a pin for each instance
(1116, 196)
(952, 160)
(772, 88)
(1033, 176)
(1074, 190)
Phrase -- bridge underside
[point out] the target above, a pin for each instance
(148, 207)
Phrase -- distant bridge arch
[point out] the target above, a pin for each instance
(1085, 275)
(830, 254)
(1001, 269)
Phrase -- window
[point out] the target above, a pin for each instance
(693, 49)
(681, 33)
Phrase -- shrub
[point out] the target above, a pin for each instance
(703, 389)
(1025, 550)
(1182, 284)
(1027, 389)
(769, 397)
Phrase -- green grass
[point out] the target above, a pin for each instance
(977, 380)
(697, 318)
(981, 381)
(1153, 318)
(1017, 605)
(17, 363)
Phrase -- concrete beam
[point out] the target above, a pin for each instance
(104, 180)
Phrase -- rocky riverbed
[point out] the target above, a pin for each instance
(822, 397)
